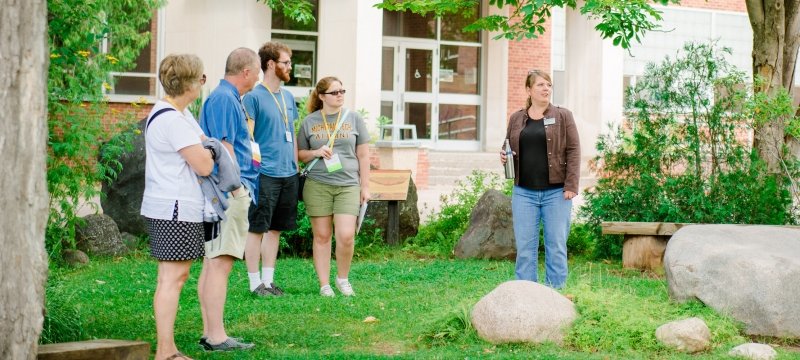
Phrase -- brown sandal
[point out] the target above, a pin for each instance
(178, 355)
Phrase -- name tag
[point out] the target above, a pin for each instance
(549, 121)
(333, 164)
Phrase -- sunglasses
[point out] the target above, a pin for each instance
(335, 93)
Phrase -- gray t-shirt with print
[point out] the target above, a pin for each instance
(312, 135)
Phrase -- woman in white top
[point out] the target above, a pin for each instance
(173, 202)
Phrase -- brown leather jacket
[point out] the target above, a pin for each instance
(563, 145)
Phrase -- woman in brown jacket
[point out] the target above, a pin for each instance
(545, 143)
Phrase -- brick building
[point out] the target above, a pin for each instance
(457, 89)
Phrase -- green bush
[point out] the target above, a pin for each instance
(298, 242)
(79, 72)
(441, 233)
(682, 156)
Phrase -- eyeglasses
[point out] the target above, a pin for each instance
(335, 93)
(203, 80)
(287, 63)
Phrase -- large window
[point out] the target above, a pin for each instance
(684, 25)
(431, 76)
(302, 39)
(140, 82)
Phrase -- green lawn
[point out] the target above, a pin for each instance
(422, 307)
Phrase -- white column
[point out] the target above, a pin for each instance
(212, 29)
(495, 70)
(350, 40)
(593, 74)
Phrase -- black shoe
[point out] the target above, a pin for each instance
(262, 290)
(228, 345)
(275, 290)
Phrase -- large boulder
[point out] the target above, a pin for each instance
(490, 234)
(746, 271)
(523, 311)
(123, 196)
(754, 351)
(409, 213)
(689, 335)
(99, 235)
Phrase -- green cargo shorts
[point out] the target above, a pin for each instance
(325, 200)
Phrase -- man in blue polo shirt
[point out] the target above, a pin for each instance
(223, 117)
(274, 112)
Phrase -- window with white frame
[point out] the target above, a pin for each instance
(302, 39)
(141, 82)
(682, 25)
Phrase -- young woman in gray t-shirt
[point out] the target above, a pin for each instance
(338, 183)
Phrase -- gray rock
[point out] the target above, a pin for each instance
(131, 241)
(745, 271)
(490, 234)
(409, 214)
(690, 335)
(99, 236)
(523, 311)
(75, 257)
(123, 196)
(754, 351)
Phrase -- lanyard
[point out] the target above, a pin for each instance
(331, 137)
(285, 113)
(251, 124)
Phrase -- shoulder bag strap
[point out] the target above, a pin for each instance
(159, 112)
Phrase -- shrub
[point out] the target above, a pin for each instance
(298, 242)
(682, 157)
(440, 234)
(78, 74)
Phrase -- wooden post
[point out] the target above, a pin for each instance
(390, 186)
(393, 223)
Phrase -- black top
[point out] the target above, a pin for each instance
(533, 167)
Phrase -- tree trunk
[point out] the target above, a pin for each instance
(776, 37)
(23, 135)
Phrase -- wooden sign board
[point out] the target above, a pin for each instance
(389, 184)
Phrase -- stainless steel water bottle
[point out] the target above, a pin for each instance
(509, 161)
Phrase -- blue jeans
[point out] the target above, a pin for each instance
(529, 208)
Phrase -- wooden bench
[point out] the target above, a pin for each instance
(644, 243)
(95, 349)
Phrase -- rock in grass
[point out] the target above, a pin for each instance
(490, 234)
(74, 257)
(754, 351)
(99, 236)
(746, 271)
(523, 311)
(690, 335)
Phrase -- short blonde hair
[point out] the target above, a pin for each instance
(179, 72)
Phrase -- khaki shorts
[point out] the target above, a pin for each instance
(233, 230)
(325, 200)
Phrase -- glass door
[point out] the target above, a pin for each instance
(438, 93)
(409, 85)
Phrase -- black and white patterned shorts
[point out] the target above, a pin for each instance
(173, 240)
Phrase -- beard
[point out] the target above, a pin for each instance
(282, 74)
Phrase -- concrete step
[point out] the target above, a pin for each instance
(446, 168)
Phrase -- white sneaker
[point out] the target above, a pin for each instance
(345, 287)
(327, 291)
